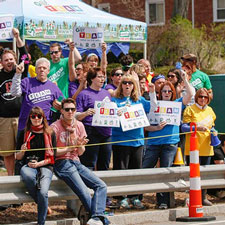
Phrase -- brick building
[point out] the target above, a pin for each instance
(158, 12)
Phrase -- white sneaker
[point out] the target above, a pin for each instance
(94, 221)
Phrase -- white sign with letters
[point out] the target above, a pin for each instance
(133, 117)
(6, 25)
(168, 111)
(105, 114)
(90, 38)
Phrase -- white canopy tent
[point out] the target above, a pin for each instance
(54, 20)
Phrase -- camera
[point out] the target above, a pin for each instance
(32, 158)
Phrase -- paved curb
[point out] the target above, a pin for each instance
(139, 218)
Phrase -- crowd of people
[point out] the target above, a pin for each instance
(53, 111)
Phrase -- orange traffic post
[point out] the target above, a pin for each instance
(195, 193)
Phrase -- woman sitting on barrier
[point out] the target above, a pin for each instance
(164, 138)
(36, 143)
(204, 117)
(128, 154)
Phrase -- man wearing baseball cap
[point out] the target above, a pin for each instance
(198, 78)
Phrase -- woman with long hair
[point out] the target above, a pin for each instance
(174, 76)
(163, 137)
(128, 154)
(36, 143)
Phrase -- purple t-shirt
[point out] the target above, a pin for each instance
(110, 86)
(36, 93)
(73, 86)
(85, 100)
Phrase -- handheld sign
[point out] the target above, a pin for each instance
(167, 111)
(105, 114)
(6, 26)
(90, 38)
(133, 117)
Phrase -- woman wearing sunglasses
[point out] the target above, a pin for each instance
(116, 76)
(174, 76)
(204, 117)
(128, 154)
(36, 143)
(164, 138)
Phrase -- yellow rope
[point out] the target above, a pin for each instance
(105, 143)
(97, 144)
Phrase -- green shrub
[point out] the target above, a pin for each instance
(168, 43)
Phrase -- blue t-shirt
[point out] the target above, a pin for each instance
(167, 130)
(119, 135)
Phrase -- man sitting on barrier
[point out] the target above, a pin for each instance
(69, 134)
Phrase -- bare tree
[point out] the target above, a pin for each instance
(180, 7)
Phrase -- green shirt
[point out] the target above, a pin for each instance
(200, 80)
(59, 73)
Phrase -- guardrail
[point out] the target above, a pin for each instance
(120, 182)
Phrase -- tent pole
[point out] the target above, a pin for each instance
(145, 51)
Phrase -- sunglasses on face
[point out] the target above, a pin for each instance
(36, 116)
(118, 74)
(170, 76)
(127, 82)
(202, 96)
(54, 52)
(70, 109)
(167, 91)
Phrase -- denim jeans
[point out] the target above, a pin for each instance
(98, 155)
(166, 154)
(40, 196)
(79, 178)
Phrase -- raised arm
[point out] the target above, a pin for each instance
(189, 93)
(152, 95)
(71, 62)
(104, 58)
(81, 87)
(16, 34)
(76, 52)
(16, 89)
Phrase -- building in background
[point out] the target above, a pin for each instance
(159, 12)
